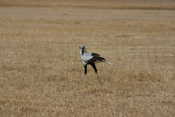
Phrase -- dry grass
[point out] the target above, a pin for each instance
(41, 73)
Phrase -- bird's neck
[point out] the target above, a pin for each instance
(82, 51)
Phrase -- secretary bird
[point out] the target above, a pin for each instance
(88, 58)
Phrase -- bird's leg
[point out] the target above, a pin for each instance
(94, 67)
(96, 71)
(85, 69)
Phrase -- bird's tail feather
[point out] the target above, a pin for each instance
(100, 59)
(108, 62)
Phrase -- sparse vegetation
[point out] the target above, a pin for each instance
(41, 73)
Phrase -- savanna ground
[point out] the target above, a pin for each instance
(41, 73)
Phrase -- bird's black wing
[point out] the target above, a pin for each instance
(97, 58)
(95, 54)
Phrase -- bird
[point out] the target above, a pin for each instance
(89, 58)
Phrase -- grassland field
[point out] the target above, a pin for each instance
(40, 69)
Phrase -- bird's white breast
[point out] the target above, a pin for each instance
(86, 56)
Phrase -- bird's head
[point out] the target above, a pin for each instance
(82, 47)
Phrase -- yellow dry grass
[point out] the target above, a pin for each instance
(41, 74)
